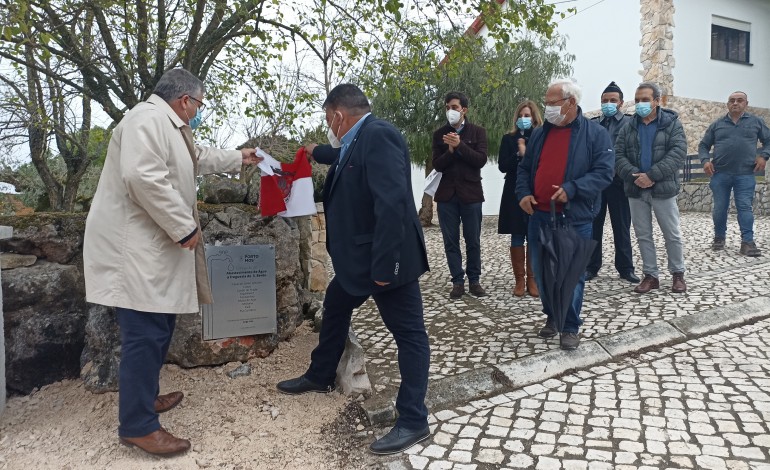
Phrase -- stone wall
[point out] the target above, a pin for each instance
(52, 333)
(318, 272)
(657, 57)
(696, 197)
(697, 115)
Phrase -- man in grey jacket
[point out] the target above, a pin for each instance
(649, 153)
(736, 159)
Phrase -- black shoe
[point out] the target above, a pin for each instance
(750, 249)
(718, 244)
(590, 275)
(631, 277)
(548, 331)
(476, 290)
(398, 440)
(569, 341)
(457, 291)
(302, 385)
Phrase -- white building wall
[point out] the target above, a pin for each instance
(604, 37)
(696, 75)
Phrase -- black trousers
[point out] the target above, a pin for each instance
(401, 311)
(145, 338)
(614, 199)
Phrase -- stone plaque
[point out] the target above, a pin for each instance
(242, 281)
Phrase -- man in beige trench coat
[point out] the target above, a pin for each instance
(143, 248)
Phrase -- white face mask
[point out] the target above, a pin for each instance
(553, 115)
(334, 141)
(453, 116)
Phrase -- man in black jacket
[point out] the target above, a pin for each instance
(376, 245)
(459, 153)
(613, 198)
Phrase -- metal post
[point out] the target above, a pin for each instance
(5, 232)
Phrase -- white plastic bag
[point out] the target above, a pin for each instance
(431, 182)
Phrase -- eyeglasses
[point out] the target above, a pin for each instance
(201, 104)
(736, 100)
(554, 103)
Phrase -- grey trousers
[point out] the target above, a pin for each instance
(667, 215)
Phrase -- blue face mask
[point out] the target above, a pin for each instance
(196, 120)
(524, 123)
(609, 109)
(644, 108)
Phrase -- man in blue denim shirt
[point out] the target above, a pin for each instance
(736, 159)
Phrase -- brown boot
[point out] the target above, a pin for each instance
(517, 261)
(531, 283)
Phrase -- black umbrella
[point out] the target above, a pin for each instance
(564, 255)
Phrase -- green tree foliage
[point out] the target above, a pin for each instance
(34, 192)
(496, 80)
(66, 57)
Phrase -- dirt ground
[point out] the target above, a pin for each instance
(241, 423)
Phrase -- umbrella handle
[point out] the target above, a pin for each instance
(553, 213)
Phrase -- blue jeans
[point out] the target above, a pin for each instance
(539, 218)
(450, 215)
(144, 341)
(401, 311)
(743, 191)
(517, 240)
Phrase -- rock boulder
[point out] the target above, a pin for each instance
(45, 314)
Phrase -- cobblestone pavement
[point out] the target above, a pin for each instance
(475, 332)
(700, 404)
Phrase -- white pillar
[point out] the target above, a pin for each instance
(5, 232)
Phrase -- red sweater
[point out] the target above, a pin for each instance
(553, 165)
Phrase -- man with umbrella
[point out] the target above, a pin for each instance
(569, 161)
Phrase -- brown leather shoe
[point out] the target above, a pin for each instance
(648, 283)
(678, 286)
(457, 291)
(160, 442)
(165, 402)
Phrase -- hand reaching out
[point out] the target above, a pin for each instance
(250, 156)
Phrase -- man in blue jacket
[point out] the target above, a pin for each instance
(376, 245)
(569, 159)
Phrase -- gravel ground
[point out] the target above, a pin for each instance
(241, 423)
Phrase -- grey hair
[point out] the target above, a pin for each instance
(176, 83)
(657, 92)
(569, 88)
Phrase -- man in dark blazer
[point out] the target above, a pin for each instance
(377, 248)
(459, 153)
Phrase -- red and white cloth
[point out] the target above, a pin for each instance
(286, 189)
